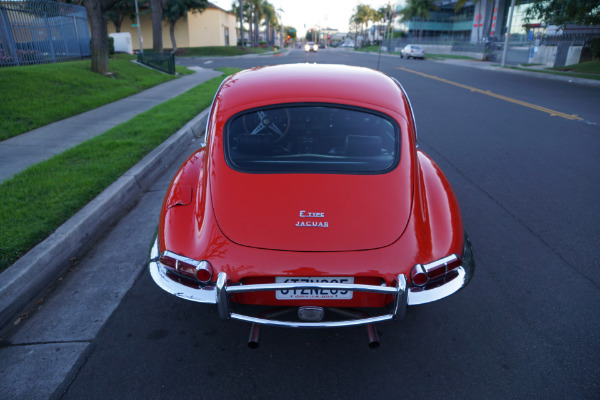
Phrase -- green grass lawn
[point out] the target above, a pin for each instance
(38, 200)
(371, 49)
(448, 56)
(587, 70)
(36, 95)
(588, 67)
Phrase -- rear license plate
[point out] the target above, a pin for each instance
(318, 294)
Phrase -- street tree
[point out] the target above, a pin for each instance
(157, 17)
(417, 9)
(122, 9)
(290, 31)
(240, 14)
(386, 14)
(562, 12)
(271, 21)
(257, 16)
(241, 10)
(177, 9)
(96, 11)
(362, 16)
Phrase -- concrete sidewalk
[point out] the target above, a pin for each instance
(28, 276)
(40, 144)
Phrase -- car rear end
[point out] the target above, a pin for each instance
(309, 202)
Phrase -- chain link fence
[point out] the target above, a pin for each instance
(42, 31)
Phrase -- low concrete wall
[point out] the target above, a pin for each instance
(546, 55)
(574, 55)
(543, 55)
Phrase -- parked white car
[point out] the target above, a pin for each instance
(412, 51)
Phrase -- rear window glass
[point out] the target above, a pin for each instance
(312, 138)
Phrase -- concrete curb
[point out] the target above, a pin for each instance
(42, 265)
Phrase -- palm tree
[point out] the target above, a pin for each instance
(241, 16)
(386, 14)
(255, 17)
(242, 11)
(417, 9)
(270, 21)
(362, 16)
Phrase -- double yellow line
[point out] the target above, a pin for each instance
(498, 96)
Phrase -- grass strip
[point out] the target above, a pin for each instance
(553, 72)
(38, 200)
(434, 56)
(586, 67)
(36, 95)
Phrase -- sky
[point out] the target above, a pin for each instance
(306, 14)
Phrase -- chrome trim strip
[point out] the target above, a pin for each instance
(212, 103)
(441, 262)
(401, 301)
(421, 295)
(326, 324)
(222, 298)
(311, 285)
(411, 110)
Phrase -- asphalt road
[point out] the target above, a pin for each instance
(522, 154)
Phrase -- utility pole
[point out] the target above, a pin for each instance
(510, 15)
(137, 16)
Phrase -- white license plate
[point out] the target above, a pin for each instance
(320, 294)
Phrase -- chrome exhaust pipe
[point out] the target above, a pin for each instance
(371, 331)
(254, 335)
(373, 336)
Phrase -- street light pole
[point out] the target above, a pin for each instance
(137, 16)
(510, 15)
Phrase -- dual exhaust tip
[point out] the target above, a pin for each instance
(315, 314)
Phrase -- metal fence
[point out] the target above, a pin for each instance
(42, 31)
(164, 62)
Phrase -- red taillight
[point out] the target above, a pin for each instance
(168, 261)
(188, 267)
(441, 267)
(204, 272)
(421, 274)
(418, 275)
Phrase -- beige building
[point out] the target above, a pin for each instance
(212, 27)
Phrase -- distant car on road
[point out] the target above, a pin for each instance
(311, 46)
(412, 51)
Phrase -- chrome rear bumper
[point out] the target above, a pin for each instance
(404, 295)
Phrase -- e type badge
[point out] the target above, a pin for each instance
(313, 222)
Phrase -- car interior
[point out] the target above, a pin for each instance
(312, 138)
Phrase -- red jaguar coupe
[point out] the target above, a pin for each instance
(310, 205)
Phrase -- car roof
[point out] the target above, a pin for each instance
(326, 83)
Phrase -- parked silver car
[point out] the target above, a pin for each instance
(412, 51)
